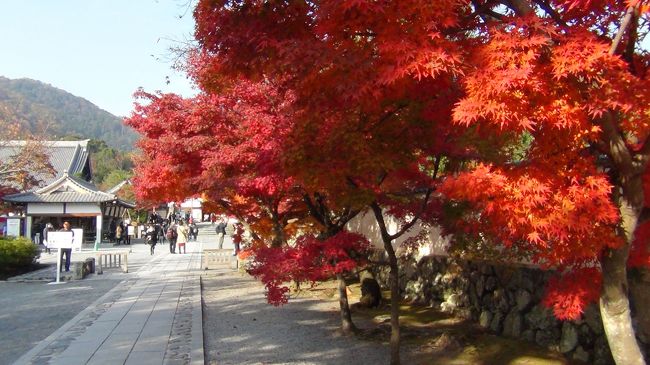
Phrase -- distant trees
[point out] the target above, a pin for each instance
(106, 161)
(19, 168)
(45, 110)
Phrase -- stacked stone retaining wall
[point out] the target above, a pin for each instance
(503, 299)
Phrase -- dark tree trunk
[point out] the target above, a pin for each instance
(394, 286)
(394, 305)
(347, 326)
(278, 231)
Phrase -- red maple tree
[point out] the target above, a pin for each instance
(227, 145)
(222, 146)
(568, 75)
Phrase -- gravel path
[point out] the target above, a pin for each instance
(241, 328)
(29, 312)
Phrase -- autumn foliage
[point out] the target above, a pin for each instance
(308, 260)
(528, 119)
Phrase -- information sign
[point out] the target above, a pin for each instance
(13, 227)
(77, 239)
(59, 239)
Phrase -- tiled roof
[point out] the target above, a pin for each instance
(65, 156)
(66, 189)
(119, 186)
(60, 197)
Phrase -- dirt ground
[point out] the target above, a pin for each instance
(431, 337)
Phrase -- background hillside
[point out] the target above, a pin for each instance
(43, 108)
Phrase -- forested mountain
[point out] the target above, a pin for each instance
(43, 108)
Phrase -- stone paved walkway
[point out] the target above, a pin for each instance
(152, 317)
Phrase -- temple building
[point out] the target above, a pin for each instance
(67, 196)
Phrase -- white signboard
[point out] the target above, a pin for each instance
(77, 239)
(130, 230)
(13, 227)
(59, 239)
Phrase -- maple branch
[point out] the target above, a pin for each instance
(410, 224)
(544, 4)
(628, 54)
(436, 166)
(520, 7)
(317, 209)
(378, 263)
(485, 9)
(387, 116)
(379, 216)
(642, 157)
(617, 148)
(9, 172)
(626, 21)
(346, 216)
(644, 216)
(410, 193)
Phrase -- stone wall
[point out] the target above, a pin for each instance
(503, 299)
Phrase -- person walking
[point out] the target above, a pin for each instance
(126, 232)
(152, 237)
(194, 231)
(182, 233)
(238, 237)
(46, 230)
(172, 236)
(119, 232)
(221, 233)
(67, 252)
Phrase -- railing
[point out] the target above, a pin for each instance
(112, 259)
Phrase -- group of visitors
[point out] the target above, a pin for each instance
(234, 230)
(177, 233)
(123, 232)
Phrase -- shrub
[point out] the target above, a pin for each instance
(16, 253)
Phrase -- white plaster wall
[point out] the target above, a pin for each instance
(43, 208)
(191, 203)
(366, 224)
(83, 208)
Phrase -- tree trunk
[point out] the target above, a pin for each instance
(278, 231)
(640, 292)
(615, 309)
(394, 306)
(347, 326)
(394, 285)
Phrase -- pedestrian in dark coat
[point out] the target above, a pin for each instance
(152, 237)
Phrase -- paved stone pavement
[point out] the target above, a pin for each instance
(153, 316)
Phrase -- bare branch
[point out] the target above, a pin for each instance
(621, 31)
(410, 224)
(544, 4)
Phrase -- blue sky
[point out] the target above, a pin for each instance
(101, 50)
